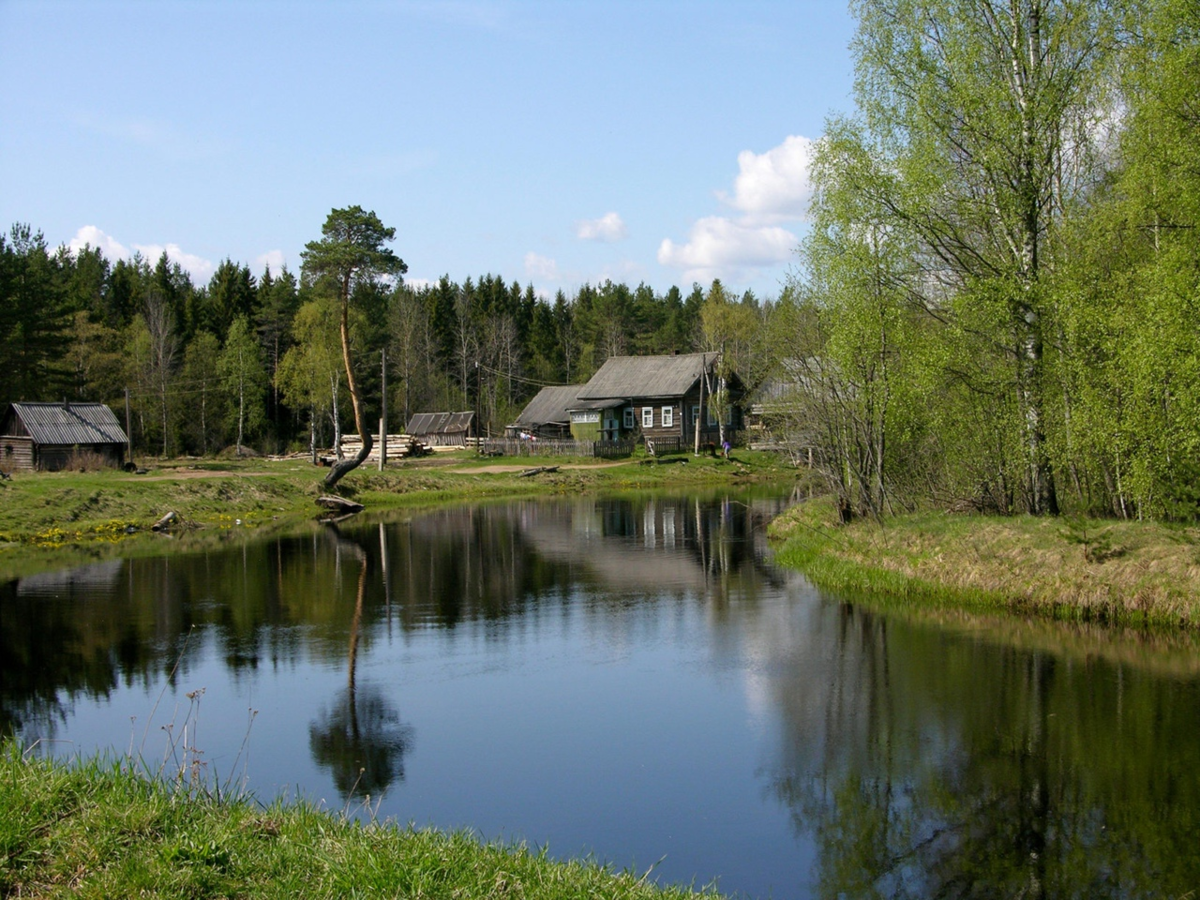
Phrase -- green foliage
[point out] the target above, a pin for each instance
(97, 829)
(245, 380)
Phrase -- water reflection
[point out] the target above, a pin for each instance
(360, 738)
(632, 676)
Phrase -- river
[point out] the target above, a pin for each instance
(633, 679)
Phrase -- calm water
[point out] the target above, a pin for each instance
(631, 679)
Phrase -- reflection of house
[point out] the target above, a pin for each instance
(50, 435)
(548, 414)
(446, 429)
(657, 397)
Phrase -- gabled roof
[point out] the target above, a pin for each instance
(440, 423)
(69, 423)
(550, 406)
(631, 377)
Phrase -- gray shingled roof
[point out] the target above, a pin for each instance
(630, 377)
(70, 423)
(550, 406)
(440, 423)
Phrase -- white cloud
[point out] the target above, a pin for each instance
(273, 258)
(774, 186)
(608, 228)
(91, 236)
(537, 266)
(771, 190)
(199, 268)
(719, 247)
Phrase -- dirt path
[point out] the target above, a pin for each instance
(500, 469)
(184, 474)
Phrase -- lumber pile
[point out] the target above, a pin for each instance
(399, 446)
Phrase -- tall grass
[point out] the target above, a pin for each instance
(99, 828)
(1129, 573)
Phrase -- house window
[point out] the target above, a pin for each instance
(647, 416)
(695, 417)
(712, 418)
(629, 418)
(668, 416)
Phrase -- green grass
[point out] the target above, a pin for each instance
(98, 828)
(63, 518)
(1127, 573)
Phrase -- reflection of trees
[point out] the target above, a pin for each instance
(360, 739)
(928, 767)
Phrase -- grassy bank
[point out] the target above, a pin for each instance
(96, 829)
(1131, 573)
(60, 518)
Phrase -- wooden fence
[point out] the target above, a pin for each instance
(593, 449)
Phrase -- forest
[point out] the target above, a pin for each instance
(996, 305)
(256, 359)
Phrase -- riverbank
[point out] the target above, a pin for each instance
(1127, 573)
(97, 829)
(63, 518)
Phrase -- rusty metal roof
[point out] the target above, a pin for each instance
(69, 423)
(440, 423)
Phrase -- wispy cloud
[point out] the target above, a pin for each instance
(607, 229)
(156, 135)
(542, 267)
(272, 258)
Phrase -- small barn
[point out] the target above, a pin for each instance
(443, 429)
(49, 436)
(548, 414)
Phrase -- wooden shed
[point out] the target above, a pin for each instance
(445, 429)
(548, 415)
(48, 436)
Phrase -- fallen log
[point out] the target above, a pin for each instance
(538, 470)
(164, 523)
(339, 504)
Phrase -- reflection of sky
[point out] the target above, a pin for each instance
(605, 682)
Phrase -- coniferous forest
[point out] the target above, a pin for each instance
(996, 305)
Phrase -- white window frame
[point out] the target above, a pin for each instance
(629, 420)
(647, 416)
(668, 417)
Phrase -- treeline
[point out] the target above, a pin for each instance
(255, 361)
(1000, 305)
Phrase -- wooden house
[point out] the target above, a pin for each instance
(444, 429)
(48, 436)
(660, 398)
(548, 415)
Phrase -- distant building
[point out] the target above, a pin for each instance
(548, 415)
(48, 436)
(656, 397)
(443, 429)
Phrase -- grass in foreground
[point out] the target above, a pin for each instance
(1133, 573)
(96, 829)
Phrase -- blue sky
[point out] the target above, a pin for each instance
(552, 143)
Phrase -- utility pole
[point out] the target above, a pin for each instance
(383, 417)
(128, 430)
